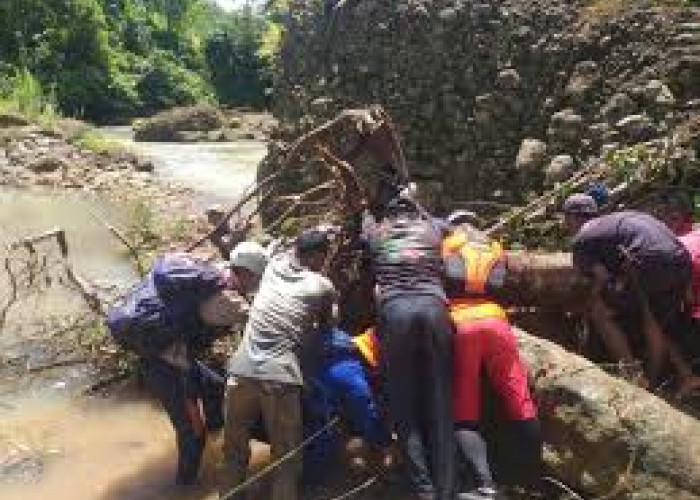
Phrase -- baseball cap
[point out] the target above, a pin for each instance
(249, 255)
(580, 204)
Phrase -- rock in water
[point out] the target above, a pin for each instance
(605, 436)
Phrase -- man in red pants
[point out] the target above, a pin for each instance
(485, 344)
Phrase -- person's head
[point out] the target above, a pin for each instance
(247, 261)
(578, 209)
(311, 247)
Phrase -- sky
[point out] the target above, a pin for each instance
(233, 4)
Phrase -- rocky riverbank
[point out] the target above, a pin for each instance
(58, 160)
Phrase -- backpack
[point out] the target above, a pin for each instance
(163, 307)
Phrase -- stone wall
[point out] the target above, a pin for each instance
(494, 99)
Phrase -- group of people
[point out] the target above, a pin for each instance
(436, 375)
(414, 381)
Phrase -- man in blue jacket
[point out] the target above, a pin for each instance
(168, 320)
(338, 384)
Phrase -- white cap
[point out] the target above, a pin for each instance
(249, 255)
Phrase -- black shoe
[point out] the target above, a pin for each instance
(482, 493)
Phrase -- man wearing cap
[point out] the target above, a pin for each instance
(179, 309)
(638, 269)
(294, 301)
(578, 209)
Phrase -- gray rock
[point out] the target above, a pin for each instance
(532, 155)
(608, 148)
(665, 98)
(143, 165)
(46, 164)
(508, 80)
(637, 127)
(585, 78)
(484, 107)
(566, 126)
(13, 120)
(619, 106)
(559, 169)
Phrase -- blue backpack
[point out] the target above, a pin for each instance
(163, 307)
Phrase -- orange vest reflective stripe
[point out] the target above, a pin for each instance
(368, 345)
(479, 260)
(472, 310)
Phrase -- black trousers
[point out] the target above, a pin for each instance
(513, 455)
(180, 391)
(416, 340)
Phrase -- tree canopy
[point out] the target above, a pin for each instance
(114, 59)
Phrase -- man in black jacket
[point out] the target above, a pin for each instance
(415, 333)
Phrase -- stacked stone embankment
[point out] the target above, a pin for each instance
(496, 100)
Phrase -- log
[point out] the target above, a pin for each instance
(606, 437)
(542, 280)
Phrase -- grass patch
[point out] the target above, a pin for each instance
(93, 140)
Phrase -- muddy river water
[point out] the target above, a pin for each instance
(54, 444)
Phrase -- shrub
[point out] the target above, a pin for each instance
(165, 84)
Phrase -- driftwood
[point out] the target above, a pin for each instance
(607, 437)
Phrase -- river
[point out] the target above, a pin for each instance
(53, 444)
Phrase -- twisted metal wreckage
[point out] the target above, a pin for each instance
(605, 437)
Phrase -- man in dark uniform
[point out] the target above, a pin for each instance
(638, 266)
(415, 333)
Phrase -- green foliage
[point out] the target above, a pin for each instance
(166, 84)
(142, 228)
(107, 60)
(23, 93)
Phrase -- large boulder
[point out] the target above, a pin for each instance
(168, 125)
(606, 437)
(531, 156)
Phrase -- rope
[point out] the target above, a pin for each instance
(357, 489)
(563, 487)
(274, 465)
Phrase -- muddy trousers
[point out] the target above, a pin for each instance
(280, 405)
(181, 392)
(416, 340)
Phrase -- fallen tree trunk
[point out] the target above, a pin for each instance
(607, 437)
(542, 280)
